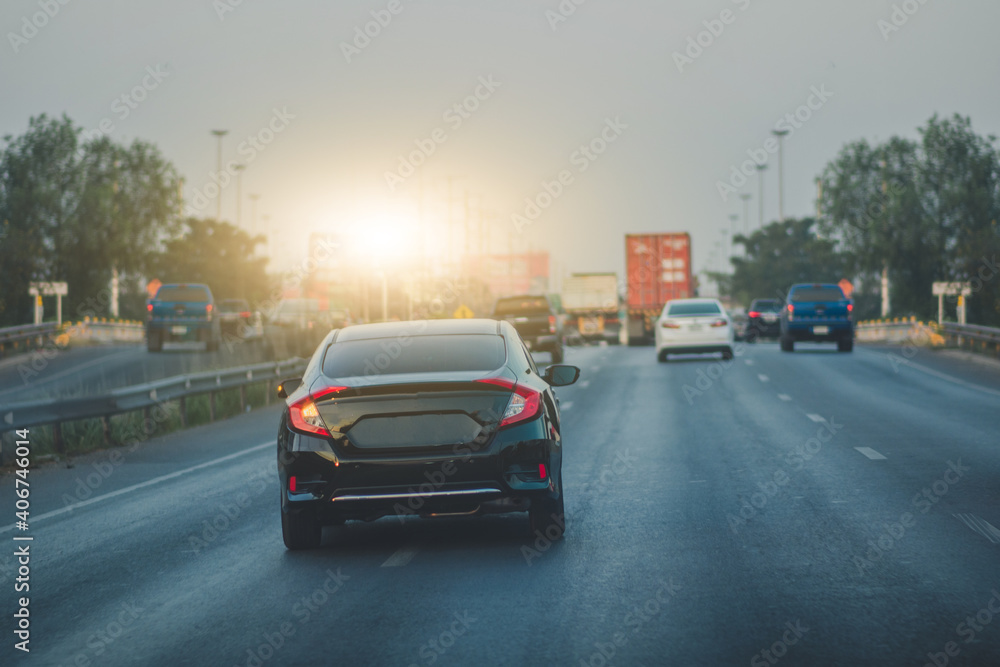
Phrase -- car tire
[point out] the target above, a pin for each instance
(787, 345)
(845, 345)
(154, 341)
(300, 530)
(727, 354)
(661, 356)
(557, 354)
(548, 518)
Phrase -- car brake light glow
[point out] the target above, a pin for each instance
(525, 403)
(208, 308)
(719, 323)
(245, 313)
(753, 313)
(850, 307)
(670, 325)
(304, 415)
(791, 308)
(149, 307)
(291, 484)
(552, 323)
(541, 470)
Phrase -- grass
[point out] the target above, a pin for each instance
(87, 435)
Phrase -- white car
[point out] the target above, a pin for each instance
(691, 326)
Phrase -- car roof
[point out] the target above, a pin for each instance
(695, 300)
(419, 328)
(813, 285)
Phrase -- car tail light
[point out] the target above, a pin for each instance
(791, 308)
(542, 472)
(670, 325)
(304, 415)
(149, 307)
(850, 307)
(524, 404)
(245, 313)
(719, 323)
(291, 484)
(753, 313)
(552, 323)
(208, 308)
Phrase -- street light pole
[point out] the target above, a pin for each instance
(760, 195)
(239, 192)
(253, 213)
(732, 232)
(746, 218)
(781, 172)
(218, 200)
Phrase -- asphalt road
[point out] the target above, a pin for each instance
(83, 371)
(824, 508)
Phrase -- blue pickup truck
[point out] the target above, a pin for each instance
(182, 313)
(817, 312)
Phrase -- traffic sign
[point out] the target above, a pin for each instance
(463, 312)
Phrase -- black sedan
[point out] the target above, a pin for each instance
(427, 418)
(763, 319)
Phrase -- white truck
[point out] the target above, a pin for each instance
(591, 304)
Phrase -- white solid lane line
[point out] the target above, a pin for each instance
(748, 362)
(870, 453)
(135, 487)
(762, 377)
(401, 557)
(565, 405)
(784, 397)
(815, 417)
(945, 376)
(980, 526)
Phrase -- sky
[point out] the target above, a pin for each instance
(577, 121)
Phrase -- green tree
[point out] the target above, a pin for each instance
(217, 254)
(77, 213)
(778, 256)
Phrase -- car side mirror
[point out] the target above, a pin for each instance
(561, 375)
(288, 387)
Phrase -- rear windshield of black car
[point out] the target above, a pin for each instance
(525, 306)
(765, 306)
(692, 309)
(182, 294)
(817, 294)
(416, 354)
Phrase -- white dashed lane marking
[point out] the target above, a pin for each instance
(816, 418)
(400, 558)
(784, 397)
(763, 378)
(565, 405)
(870, 453)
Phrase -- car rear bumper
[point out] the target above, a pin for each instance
(807, 331)
(504, 477)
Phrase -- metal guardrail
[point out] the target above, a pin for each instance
(14, 340)
(145, 397)
(972, 336)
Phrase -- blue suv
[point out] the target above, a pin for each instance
(817, 312)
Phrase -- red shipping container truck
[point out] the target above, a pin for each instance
(657, 269)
